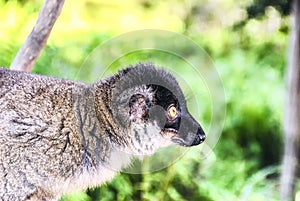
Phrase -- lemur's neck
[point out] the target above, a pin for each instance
(99, 132)
(113, 130)
(105, 112)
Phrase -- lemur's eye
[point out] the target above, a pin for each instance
(172, 112)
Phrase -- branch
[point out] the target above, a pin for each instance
(36, 41)
(292, 112)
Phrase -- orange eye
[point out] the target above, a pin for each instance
(172, 112)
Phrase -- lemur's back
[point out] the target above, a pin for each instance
(38, 138)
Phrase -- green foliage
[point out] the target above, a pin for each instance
(257, 9)
(251, 62)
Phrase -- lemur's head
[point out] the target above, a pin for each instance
(150, 105)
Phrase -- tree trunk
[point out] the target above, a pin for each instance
(292, 111)
(36, 41)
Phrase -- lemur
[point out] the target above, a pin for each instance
(58, 135)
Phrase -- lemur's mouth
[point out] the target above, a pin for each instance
(197, 140)
(170, 133)
(179, 141)
(186, 139)
(174, 136)
(171, 130)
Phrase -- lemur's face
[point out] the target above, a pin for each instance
(177, 124)
(161, 119)
(150, 106)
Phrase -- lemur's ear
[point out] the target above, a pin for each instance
(139, 106)
(131, 104)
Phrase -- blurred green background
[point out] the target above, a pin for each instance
(247, 40)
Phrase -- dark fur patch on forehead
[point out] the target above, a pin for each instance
(148, 74)
(164, 97)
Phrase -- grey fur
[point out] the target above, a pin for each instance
(57, 135)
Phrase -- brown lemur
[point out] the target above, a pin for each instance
(57, 136)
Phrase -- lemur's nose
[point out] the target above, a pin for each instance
(199, 138)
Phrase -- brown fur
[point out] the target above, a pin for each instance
(58, 135)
